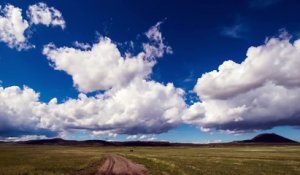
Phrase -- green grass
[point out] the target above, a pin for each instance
(61, 160)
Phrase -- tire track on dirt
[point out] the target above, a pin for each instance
(118, 165)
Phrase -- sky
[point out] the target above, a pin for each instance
(181, 71)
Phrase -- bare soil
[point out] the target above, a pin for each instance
(118, 165)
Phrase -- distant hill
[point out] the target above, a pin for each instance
(59, 141)
(142, 143)
(268, 138)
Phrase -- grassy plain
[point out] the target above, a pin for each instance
(231, 160)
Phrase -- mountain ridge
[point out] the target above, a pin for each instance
(265, 138)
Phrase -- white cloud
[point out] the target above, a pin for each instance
(132, 137)
(156, 48)
(40, 13)
(108, 134)
(13, 27)
(25, 138)
(261, 92)
(130, 104)
(83, 46)
(141, 107)
(143, 137)
(208, 141)
(103, 66)
(17, 111)
(276, 61)
(100, 68)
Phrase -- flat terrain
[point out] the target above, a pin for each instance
(231, 160)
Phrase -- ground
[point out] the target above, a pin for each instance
(231, 160)
(118, 165)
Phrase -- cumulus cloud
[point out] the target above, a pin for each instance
(260, 93)
(103, 66)
(99, 68)
(40, 13)
(276, 61)
(18, 109)
(130, 104)
(141, 107)
(13, 27)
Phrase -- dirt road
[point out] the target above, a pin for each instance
(118, 165)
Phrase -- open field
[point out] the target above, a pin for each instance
(60, 160)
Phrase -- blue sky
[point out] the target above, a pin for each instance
(202, 34)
